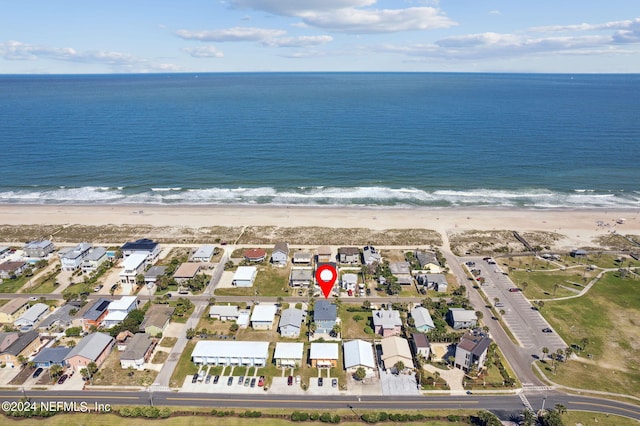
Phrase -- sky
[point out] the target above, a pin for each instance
(147, 36)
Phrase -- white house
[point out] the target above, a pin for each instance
(225, 352)
(145, 246)
(358, 353)
(288, 355)
(224, 313)
(421, 345)
(204, 253)
(323, 355)
(280, 255)
(132, 266)
(349, 282)
(245, 276)
(462, 318)
(262, 317)
(302, 257)
(31, 317)
(73, 258)
(92, 261)
(370, 255)
(118, 310)
(300, 277)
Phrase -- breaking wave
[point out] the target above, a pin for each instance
(356, 196)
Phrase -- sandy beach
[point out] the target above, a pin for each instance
(578, 227)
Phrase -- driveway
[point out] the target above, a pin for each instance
(402, 384)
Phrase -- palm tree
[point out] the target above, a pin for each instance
(479, 315)
(545, 351)
(561, 408)
(560, 354)
(528, 418)
(496, 300)
(55, 371)
(583, 343)
(567, 353)
(436, 376)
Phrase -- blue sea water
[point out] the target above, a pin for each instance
(376, 139)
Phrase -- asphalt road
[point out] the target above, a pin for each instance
(506, 406)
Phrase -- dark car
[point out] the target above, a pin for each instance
(470, 263)
(195, 378)
(514, 289)
(261, 381)
(230, 381)
(320, 381)
(253, 382)
(290, 380)
(62, 379)
(334, 383)
(37, 373)
(547, 330)
(215, 379)
(241, 380)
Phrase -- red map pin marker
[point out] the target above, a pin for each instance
(326, 275)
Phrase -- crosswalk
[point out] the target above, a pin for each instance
(525, 402)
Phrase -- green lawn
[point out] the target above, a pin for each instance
(540, 285)
(270, 281)
(608, 316)
(184, 367)
(586, 418)
(11, 286)
(352, 329)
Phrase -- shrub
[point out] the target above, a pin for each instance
(368, 330)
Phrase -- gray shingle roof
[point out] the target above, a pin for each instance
(324, 310)
(52, 355)
(292, 316)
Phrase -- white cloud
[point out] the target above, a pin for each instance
(297, 7)
(302, 41)
(615, 25)
(362, 21)
(18, 51)
(495, 12)
(203, 52)
(231, 34)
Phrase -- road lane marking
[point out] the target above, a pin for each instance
(607, 406)
(319, 401)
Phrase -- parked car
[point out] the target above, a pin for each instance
(241, 380)
(98, 288)
(547, 330)
(201, 377)
(195, 378)
(290, 380)
(215, 379)
(499, 305)
(230, 381)
(62, 379)
(470, 263)
(334, 383)
(297, 379)
(261, 381)
(208, 379)
(247, 381)
(514, 289)
(320, 381)
(37, 373)
(253, 382)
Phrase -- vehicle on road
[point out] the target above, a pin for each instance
(37, 373)
(547, 330)
(320, 381)
(230, 381)
(62, 379)
(290, 381)
(334, 383)
(215, 379)
(261, 381)
(514, 289)
(33, 298)
(195, 378)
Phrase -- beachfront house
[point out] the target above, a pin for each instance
(255, 255)
(349, 255)
(324, 254)
(38, 249)
(370, 255)
(428, 261)
(145, 246)
(186, 271)
(72, 259)
(204, 253)
(280, 254)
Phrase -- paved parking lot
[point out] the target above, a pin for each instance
(403, 384)
(525, 323)
(221, 386)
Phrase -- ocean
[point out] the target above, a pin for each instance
(365, 139)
